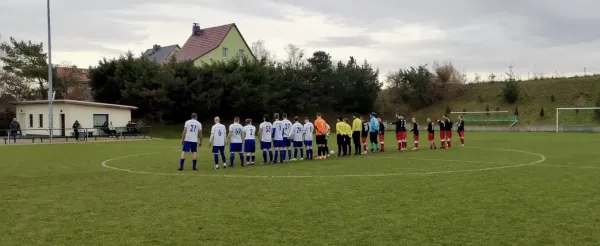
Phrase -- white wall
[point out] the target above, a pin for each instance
(84, 114)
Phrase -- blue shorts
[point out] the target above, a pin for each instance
(287, 142)
(190, 147)
(265, 145)
(250, 146)
(235, 147)
(278, 143)
(217, 149)
(297, 144)
(308, 143)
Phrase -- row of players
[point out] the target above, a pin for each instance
(282, 135)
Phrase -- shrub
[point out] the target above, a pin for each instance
(542, 112)
(464, 110)
(448, 109)
(517, 111)
(480, 99)
(487, 110)
(552, 99)
(497, 108)
(597, 111)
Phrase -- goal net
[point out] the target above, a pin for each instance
(485, 118)
(578, 119)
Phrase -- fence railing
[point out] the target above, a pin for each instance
(40, 135)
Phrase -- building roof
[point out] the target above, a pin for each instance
(158, 53)
(75, 102)
(77, 74)
(208, 40)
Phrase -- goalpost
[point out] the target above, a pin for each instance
(489, 117)
(578, 125)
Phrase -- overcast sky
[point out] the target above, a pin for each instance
(477, 36)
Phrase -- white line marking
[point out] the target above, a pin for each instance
(542, 159)
(582, 167)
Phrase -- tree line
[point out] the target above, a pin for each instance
(249, 88)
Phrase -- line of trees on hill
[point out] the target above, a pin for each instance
(247, 88)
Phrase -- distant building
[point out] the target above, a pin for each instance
(77, 83)
(218, 43)
(161, 54)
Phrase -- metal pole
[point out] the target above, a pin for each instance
(557, 120)
(50, 86)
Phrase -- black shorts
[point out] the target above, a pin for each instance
(373, 137)
(321, 140)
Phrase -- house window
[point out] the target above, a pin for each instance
(41, 117)
(100, 119)
(225, 52)
(30, 120)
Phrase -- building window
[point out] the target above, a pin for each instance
(30, 120)
(100, 119)
(41, 117)
(225, 52)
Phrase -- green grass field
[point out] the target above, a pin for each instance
(502, 189)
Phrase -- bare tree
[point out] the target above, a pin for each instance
(260, 51)
(294, 55)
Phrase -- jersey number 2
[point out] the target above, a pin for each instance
(192, 128)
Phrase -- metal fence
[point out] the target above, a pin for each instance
(40, 135)
(546, 128)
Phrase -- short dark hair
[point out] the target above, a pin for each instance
(248, 121)
(346, 120)
(356, 115)
(236, 119)
(305, 118)
(284, 115)
(276, 116)
(296, 118)
(266, 117)
(194, 116)
(340, 118)
(319, 114)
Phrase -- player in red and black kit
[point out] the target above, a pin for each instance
(448, 125)
(430, 134)
(461, 130)
(399, 124)
(381, 134)
(441, 123)
(415, 131)
(364, 133)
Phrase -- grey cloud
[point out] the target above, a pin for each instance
(342, 41)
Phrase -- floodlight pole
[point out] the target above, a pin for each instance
(50, 94)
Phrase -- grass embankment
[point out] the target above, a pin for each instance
(534, 95)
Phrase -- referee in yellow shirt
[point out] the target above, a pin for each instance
(347, 132)
(356, 128)
(339, 133)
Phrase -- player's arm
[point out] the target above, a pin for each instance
(212, 136)
(228, 136)
(183, 134)
(200, 136)
(259, 132)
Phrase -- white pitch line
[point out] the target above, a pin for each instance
(542, 159)
(580, 167)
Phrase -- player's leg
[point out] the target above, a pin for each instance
(265, 151)
(215, 151)
(222, 151)
(340, 142)
(184, 148)
(231, 154)
(416, 142)
(442, 140)
(289, 147)
(382, 142)
(461, 135)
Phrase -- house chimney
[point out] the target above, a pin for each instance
(196, 29)
(155, 47)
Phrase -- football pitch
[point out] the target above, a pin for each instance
(501, 189)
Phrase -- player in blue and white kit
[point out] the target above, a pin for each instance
(265, 131)
(308, 130)
(217, 140)
(248, 134)
(191, 138)
(296, 136)
(235, 141)
(278, 138)
(287, 141)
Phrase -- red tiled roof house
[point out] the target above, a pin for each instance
(76, 82)
(217, 43)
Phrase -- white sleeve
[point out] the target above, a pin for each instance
(212, 134)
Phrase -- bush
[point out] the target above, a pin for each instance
(552, 99)
(497, 108)
(480, 99)
(448, 109)
(542, 112)
(597, 111)
(517, 111)
(487, 110)
(464, 110)
(510, 92)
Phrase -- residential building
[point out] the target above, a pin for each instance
(161, 54)
(76, 81)
(219, 43)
